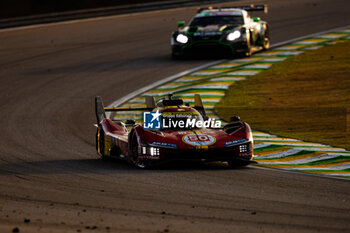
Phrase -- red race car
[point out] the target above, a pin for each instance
(172, 131)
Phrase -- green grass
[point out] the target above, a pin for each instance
(305, 97)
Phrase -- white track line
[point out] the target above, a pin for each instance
(296, 172)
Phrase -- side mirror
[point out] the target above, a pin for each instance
(256, 19)
(235, 119)
(180, 23)
(130, 122)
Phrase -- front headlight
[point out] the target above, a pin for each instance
(181, 38)
(247, 147)
(152, 151)
(233, 36)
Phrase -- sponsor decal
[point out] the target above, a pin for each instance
(232, 143)
(177, 120)
(163, 144)
(198, 139)
(190, 123)
(183, 132)
(208, 33)
(178, 114)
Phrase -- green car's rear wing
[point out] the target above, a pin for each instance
(250, 7)
(253, 7)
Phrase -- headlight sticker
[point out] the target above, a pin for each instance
(163, 144)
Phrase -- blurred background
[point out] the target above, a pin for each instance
(18, 8)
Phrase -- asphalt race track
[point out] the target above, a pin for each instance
(51, 179)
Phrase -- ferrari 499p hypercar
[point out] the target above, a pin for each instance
(172, 131)
(228, 31)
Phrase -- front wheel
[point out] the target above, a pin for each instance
(248, 52)
(235, 163)
(134, 158)
(176, 56)
(100, 143)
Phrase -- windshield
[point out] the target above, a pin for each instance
(181, 120)
(217, 20)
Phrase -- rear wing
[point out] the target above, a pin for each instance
(250, 7)
(100, 109)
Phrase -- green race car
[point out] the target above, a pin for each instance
(224, 31)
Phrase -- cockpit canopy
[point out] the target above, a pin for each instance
(179, 117)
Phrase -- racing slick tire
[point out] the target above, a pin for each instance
(237, 163)
(134, 158)
(266, 43)
(176, 56)
(100, 144)
(266, 39)
(248, 46)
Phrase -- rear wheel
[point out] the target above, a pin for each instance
(266, 43)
